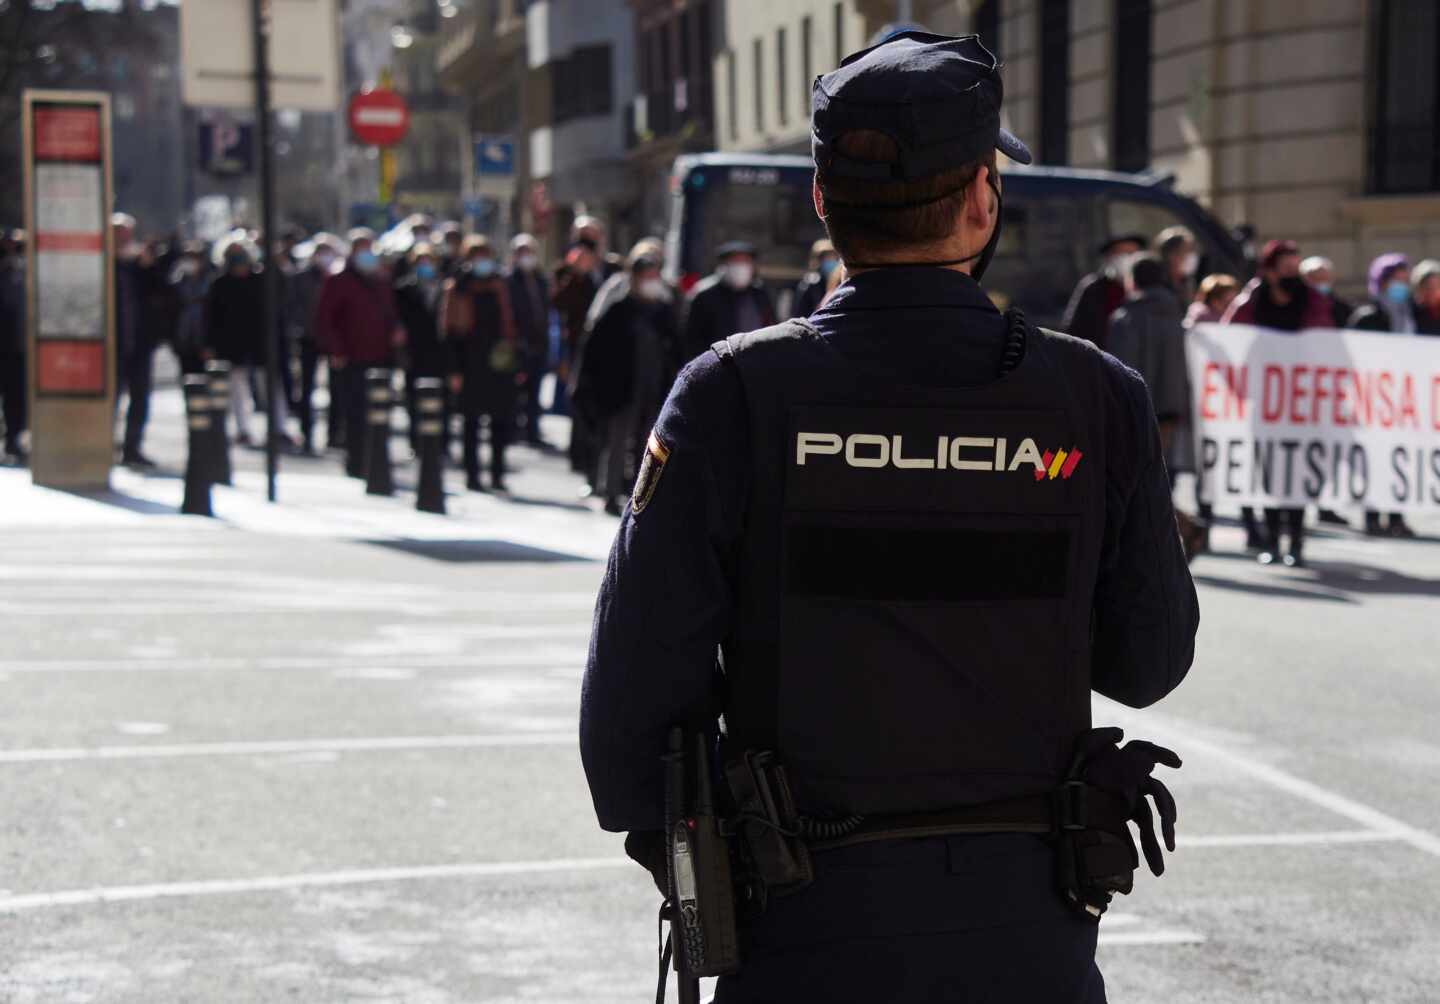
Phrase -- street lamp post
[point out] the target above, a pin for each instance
(269, 277)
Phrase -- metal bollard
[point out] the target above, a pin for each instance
(379, 400)
(218, 373)
(430, 428)
(200, 416)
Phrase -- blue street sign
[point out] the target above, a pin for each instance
(494, 156)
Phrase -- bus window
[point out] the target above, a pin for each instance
(768, 207)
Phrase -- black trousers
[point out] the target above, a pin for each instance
(955, 919)
(500, 418)
(137, 371)
(12, 396)
(304, 399)
(1294, 520)
(534, 373)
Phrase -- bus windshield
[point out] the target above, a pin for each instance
(769, 207)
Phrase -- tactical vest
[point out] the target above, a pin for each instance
(913, 625)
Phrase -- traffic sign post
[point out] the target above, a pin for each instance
(378, 117)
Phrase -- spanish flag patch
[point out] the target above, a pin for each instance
(652, 465)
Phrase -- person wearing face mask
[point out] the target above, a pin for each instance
(1390, 310)
(302, 294)
(417, 302)
(1425, 292)
(233, 325)
(530, 299)
(1178, 251)
(629, 360)
(811, 290)
(1319, 274)
(895, 545)
(478, 327)
(729, 301)
(1100, 294)
(357, 327)
(190, 281)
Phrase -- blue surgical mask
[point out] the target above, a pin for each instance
(425, 270)
(1323, 288)
(1397, 291)
(365, 261)
(482, 268)
(827, 266)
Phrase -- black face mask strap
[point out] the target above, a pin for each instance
(984, 254)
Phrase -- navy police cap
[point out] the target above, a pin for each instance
(936, 96)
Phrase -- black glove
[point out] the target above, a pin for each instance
(1126, 773)
(647, 847)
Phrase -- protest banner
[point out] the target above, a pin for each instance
(1337, 419)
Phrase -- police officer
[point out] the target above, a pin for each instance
(919, 533)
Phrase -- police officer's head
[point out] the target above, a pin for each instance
(904, 137)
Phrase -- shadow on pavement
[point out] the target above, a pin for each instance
(1332, 581)
(1272, 590)
(475, 551)
(128, 502)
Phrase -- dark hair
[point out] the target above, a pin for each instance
(1147, 270)
(860, 213)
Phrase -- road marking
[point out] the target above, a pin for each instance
(1189, 744)
(280, 746)
(545, 658)
(1319, 839)
(278, 883)
(1162, 937)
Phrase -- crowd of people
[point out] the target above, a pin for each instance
(1146, 293)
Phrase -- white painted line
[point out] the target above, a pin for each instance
(1319, 839)
(547, 659)
(1187, 744)
(279, 883)
(1132, 938)
(282, 746)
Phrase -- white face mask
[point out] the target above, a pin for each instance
(652, 289)
(526, 262)
(1190, 264)
(738, 275)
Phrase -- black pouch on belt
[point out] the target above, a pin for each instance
(768, 823)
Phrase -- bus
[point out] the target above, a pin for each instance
(1055, 218)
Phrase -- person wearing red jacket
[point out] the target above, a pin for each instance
(357, 326)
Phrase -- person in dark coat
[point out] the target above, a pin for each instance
(190, 279)
(12, 342)
(479, 329)
(1147, 333)
(810, 293)
(1277, 298)
(356, 327)
(233, 322)
(417, 301)
(134, 342)
(1319, 274)
(301, 299)
(1099, 294)
(1425, 292)
(1392, 311)
(1181, 257)
(530, 299)
(575, 287)
(727, 302)
(630, 361)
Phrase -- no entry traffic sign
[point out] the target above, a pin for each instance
(378, 118)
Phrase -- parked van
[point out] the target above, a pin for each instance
(1054, 221)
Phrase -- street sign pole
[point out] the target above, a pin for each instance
(269, 276)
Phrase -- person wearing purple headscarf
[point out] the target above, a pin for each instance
(1391, 310)
(1390, 307)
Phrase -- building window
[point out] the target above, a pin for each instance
(581, 84)
(1055, 82)
(1130, 121)
(987, 24)
(759, 53)
(839, 33)
(782, 78)
(1405, 124)
(807, 59)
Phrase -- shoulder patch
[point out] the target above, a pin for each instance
(652, 465)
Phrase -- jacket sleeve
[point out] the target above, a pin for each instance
(1242, 309)
(327, 326)
(666, 600)
(1368, 317)
(1146, 610)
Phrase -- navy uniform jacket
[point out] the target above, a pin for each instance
(666, 599)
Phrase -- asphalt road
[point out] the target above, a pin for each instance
(326, 751)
